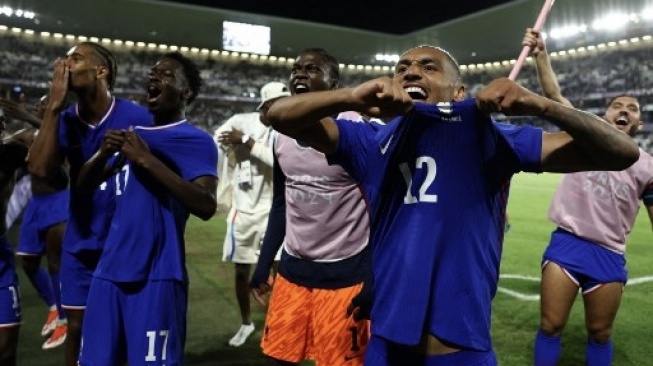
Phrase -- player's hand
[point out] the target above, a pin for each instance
(260, 291)
(59, 85)
(533, 39)
(507, 97)
(112, 142)
(361, 304)
(18, 110)
(233, 137)
(382, 97)
(134, 147)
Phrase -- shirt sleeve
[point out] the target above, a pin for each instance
(262, 150)
(275, 232)
(204, 161)
(521, 143)
(354, 147)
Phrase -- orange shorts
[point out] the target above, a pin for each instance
(303, 323)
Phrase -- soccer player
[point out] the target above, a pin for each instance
(139, 292)
(246, 141)
(437, 178)
(319, 215)
(12, 157)
(74, 135)
(42, 230)
(594, 212)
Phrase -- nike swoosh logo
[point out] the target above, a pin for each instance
(387, 144)
(349, 358)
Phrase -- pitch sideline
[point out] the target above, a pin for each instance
(526, 297)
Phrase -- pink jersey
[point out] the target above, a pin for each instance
(326, 215)
(601, 206)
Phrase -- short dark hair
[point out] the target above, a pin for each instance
(108, 59)
(330, 60)
(191, 72)
(611, 100)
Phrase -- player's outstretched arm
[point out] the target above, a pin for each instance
(19, 111)
(307, 116)
(45, 159)
(545, 74)
(588, 143)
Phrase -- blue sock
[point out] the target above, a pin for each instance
(56, 286)
(598, 354)
(41, 282)
(547, 350)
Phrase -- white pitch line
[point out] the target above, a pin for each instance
(518, 295)
(519, 277)
(526, 297)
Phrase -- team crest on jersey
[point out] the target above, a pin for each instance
(446, 111)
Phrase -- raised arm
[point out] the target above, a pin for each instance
(45, 159)
(588, 143)
(307, 116)
(19, 111)
(545, 74)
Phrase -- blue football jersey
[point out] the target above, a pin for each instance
(437, 181)
(90, 216)
(146, 239)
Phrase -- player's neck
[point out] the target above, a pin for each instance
(162, 120)
(94, 106)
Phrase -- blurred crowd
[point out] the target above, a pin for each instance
(231, 84)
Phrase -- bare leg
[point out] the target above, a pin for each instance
(8, 345)
(73, 336)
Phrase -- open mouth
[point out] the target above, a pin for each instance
(300, 88)
(621, 121)
(153, 93)
(416, 93)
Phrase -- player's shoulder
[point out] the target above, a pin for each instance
(124, 106)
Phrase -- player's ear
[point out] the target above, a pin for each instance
(459, 93)
(102, 72)
(187, 93)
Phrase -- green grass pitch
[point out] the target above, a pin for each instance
(213, 313)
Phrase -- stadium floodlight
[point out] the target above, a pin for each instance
(196, 50)
(140, 44)
(57, 35)
(611, 22)
(647, 13)
(568, 31)
(118, 42)
(282, 59)
(647, 38)
(184, 49)
(635, 39)
(16, 30)
(387, 58)
(151, 45)
(29, 31)
(129, 43)
(93, 39)
(106, 40)
(163, 46)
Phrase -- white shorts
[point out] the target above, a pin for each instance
(244, 236)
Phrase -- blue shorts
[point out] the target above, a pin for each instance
(587, 264)
(381, 352)
(9, 306)
(7, 263)
(140, 323)
(76, 273)
(42, 212)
